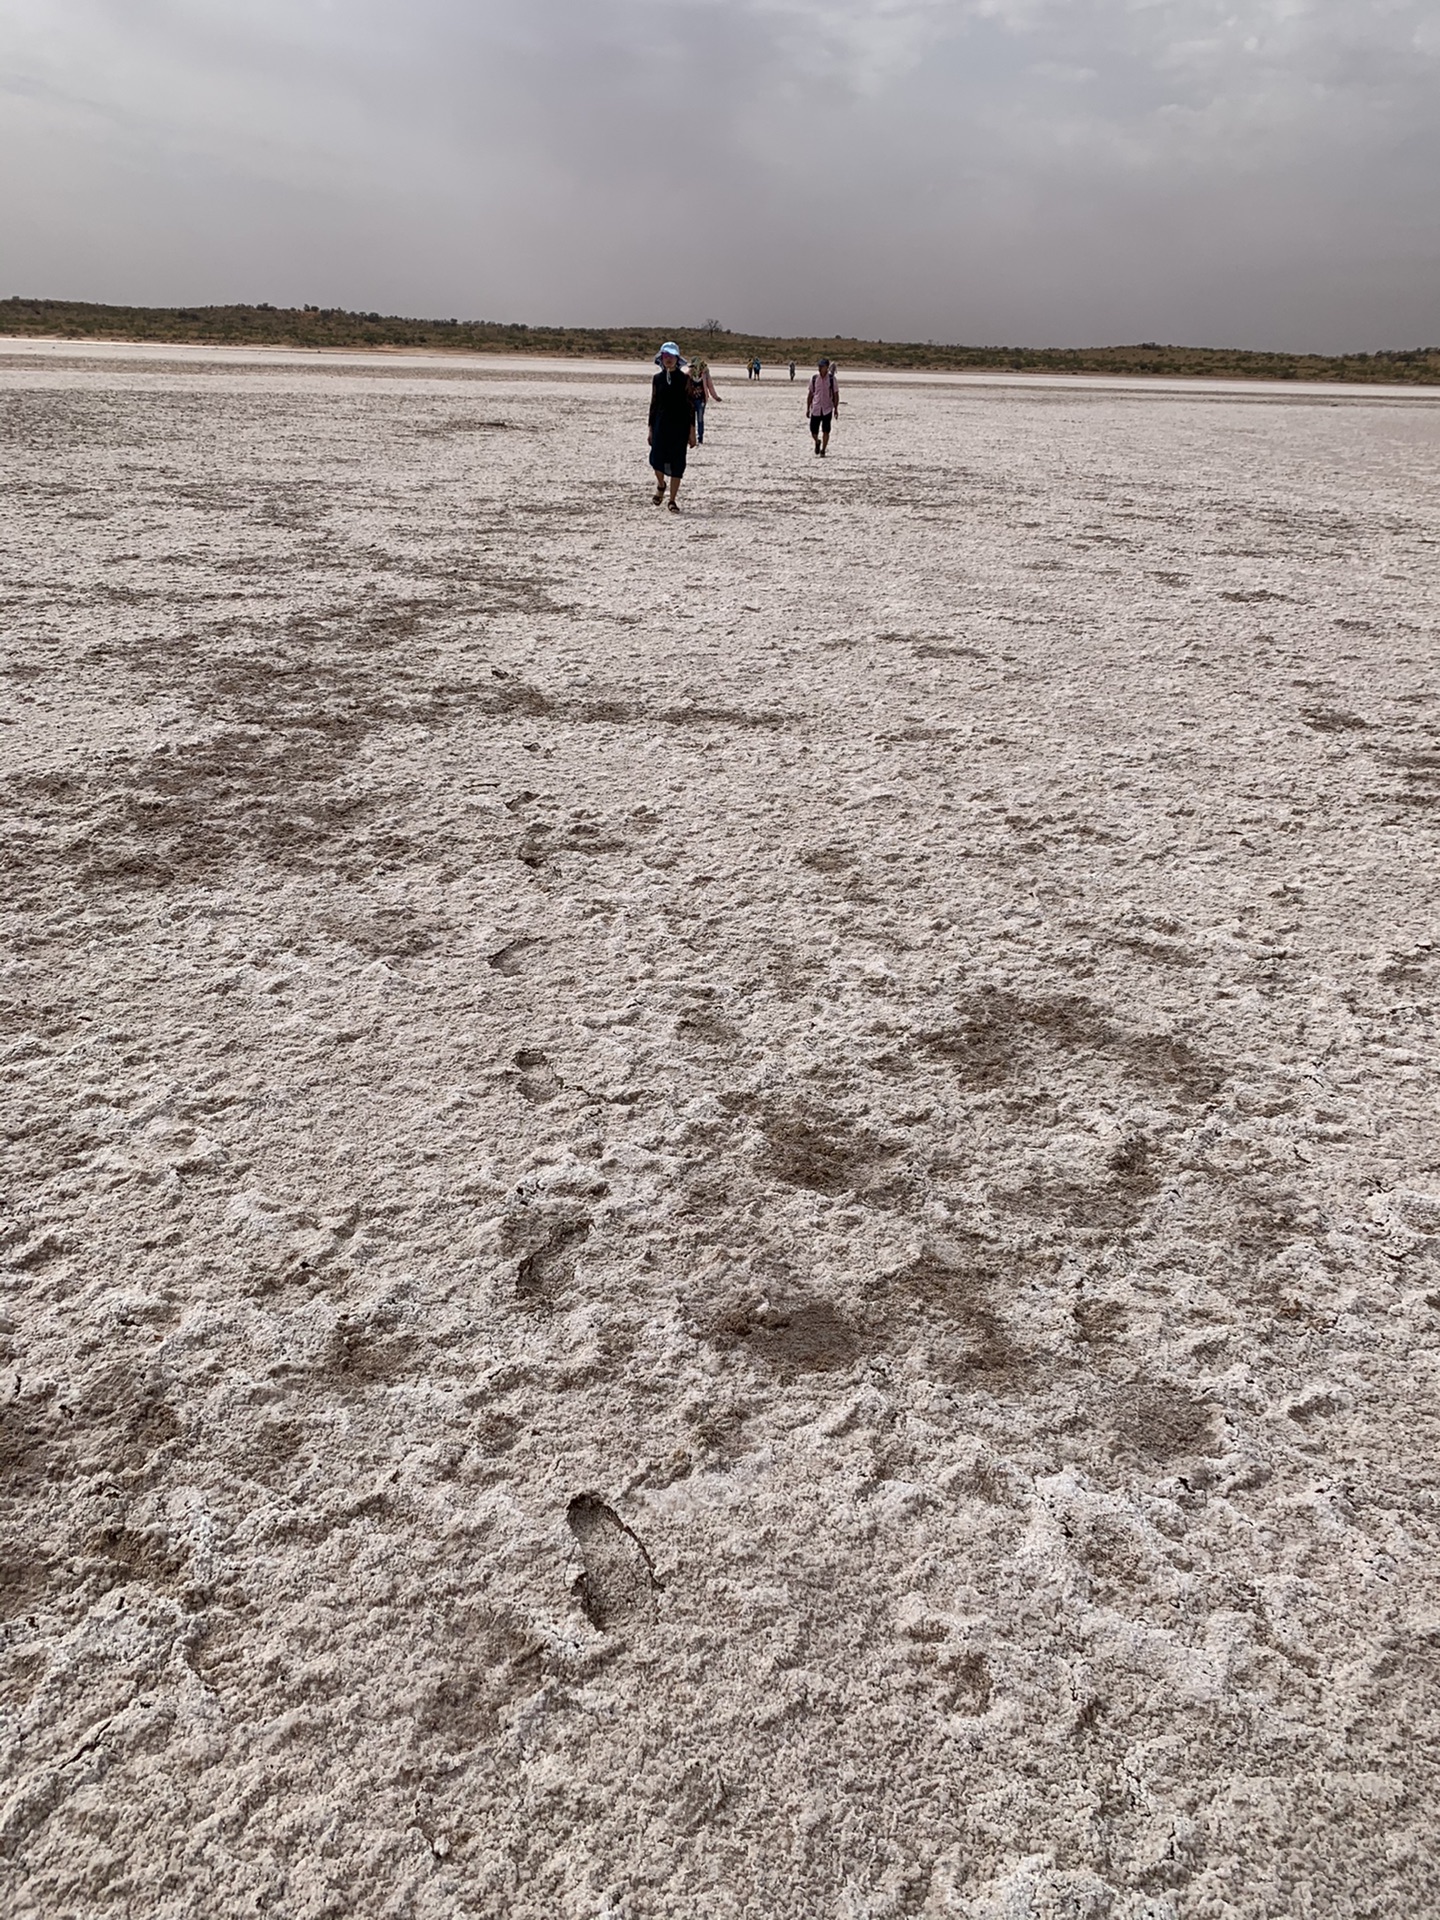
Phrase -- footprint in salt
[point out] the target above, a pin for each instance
(618, 1586)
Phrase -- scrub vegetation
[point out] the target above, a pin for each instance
(264, 325)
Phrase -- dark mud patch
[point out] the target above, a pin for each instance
(933, 646)
(135, 1554)
(953, 1302)
(185, 813)
(829, 859)
(282, 710)
(1099, 1323)
(1167, 1064)
(274, 1452)
(1420, 769)
(25, 1579)
(819, 1155)
(966, 1684)
(461, 425)
(1102, 1208)
(517, 698)
(788, 1335)
(817, 1150)
(1107, 1206)
(137, 1419)
(709, 1028)
(362, 1355)
(39, 1013)
(981, 1049)
(1001, 1037)
(117, 1424)
(737, 717)
(1113, 1557)
(29, 1443)
(719, 1430)
(919, 736)
(1159, 1421)
(1413, 968)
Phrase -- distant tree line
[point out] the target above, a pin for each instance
(313, 326)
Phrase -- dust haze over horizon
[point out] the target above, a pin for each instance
(1032, 172)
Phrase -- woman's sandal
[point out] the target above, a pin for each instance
(674, 506)
(659, 496)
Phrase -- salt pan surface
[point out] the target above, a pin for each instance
(735, 1217)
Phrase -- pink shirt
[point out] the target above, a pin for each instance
(824, 393)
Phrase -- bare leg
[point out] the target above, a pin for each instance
(674, 489)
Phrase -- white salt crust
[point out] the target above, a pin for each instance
(720, 1217)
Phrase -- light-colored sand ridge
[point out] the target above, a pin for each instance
(734, 1219)
(24, 351)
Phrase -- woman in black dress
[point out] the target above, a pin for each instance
(672, 422)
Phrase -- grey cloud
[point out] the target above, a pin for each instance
(1253, 172)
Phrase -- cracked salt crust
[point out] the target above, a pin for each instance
(724, 1218)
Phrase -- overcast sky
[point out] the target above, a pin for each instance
(1219, 172)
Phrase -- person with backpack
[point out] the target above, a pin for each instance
(672, 422)
(822, 403)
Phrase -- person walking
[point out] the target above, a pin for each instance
(822, 403)
(702, 388)
(672, 422)
(792, 369)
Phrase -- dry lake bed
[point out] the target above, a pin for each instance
(732, 1218)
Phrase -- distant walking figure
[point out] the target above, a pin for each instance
(702, 388)
(822, 403)
(792, 369)
(672, 422)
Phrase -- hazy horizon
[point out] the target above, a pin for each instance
(1008, 172)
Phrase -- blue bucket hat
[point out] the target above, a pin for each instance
(668, 347)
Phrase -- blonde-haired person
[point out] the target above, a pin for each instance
(702, 388)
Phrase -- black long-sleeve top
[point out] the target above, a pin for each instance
(672, 411)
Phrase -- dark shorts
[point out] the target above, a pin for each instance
(668, 456)
(819, 421)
